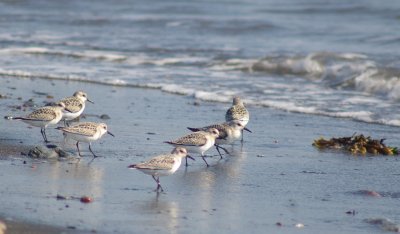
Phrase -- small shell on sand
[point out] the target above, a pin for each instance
(299, 225)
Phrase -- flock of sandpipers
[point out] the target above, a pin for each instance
(202, 139)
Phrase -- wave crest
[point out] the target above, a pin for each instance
(335, 70)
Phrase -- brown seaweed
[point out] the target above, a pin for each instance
(356, 144)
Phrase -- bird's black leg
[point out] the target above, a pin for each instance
(242, 137)
(77, 146)
(202, 156)
(90, 148)
(220, 147)
(43, 131)
(217, 147)
(157, 180)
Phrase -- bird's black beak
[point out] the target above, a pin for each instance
(132, 166)
(190, 157)
(110, 133)
(247, 129)
(89, 101)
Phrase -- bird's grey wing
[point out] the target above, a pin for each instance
(72, 104)
(42, 114)
(84, 129)
(194, 139)
(162, 162)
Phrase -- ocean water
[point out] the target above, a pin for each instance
(334, 58)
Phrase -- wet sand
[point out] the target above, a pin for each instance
(276, 177)
(19, 226)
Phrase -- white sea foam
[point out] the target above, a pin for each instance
(287, 106)
(176, 89)
(89, 54)
(211, 96)
(234, 64)
(118, 82)
(353, 56)
(359, 115)
(323, 95)
(24, 50)
(136, 59)
(374, 81)
(314, 65)
(169, 61)
(100, 55)
(338, 70)
(26, 74)
(360, 100)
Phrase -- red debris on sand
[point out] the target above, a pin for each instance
(86, 199)
(373, 193)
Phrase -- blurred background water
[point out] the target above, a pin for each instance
(334, 58)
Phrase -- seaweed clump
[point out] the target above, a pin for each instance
(356, 144)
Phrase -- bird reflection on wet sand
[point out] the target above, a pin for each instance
(169, 214)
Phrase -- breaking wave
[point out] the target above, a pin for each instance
(339, 71)
(343, 85)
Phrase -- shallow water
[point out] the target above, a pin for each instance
(321, 58)
(276, 177)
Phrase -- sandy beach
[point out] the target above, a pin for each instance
(276, 182)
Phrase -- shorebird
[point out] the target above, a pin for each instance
(229, 132)
(44, 116)
(162, 165)
(74, 106)
(85, 132)
(238, 112)
(197, 142)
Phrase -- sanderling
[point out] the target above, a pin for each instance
(85, 132)
(162, 165)
(74, 105)
(228, 133)
(238, 112)
(197, 142)
(43, 117)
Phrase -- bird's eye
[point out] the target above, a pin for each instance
(105, 128)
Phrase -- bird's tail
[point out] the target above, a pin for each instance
(193, 129)
(132, 166)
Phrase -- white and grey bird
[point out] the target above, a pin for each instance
(74, 105)
(43, 117)
(238, 112)
(197, 142)
(162, 165)
(229, 132)
(85, 132)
